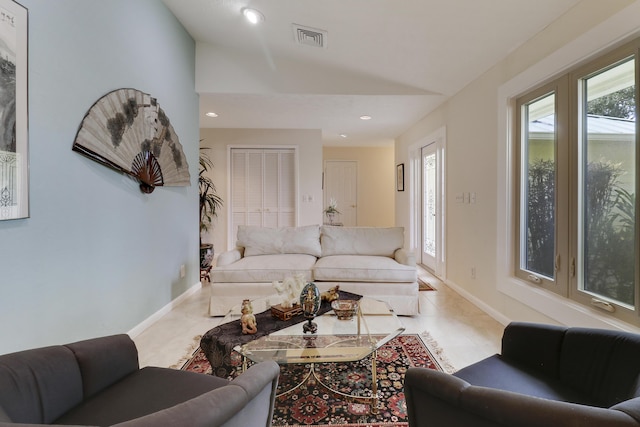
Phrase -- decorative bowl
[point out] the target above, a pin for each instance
(344, 308)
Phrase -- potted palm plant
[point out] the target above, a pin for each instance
(210, 203)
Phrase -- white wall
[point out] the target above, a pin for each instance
(97, 256)
(309, 144)
(477, 158)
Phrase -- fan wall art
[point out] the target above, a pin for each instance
(126, 130)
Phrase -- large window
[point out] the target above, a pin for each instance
(543, 186)
(577, 156)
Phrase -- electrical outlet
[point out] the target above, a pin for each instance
(183, 271)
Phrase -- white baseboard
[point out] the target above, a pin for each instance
(499, 317)
(137, 330)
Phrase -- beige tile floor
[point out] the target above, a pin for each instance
(464, 332)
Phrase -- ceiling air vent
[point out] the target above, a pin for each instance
(310, 36)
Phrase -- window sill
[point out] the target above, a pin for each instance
(558, 308)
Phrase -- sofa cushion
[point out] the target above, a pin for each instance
(361, 240)
(362, 268)
(283, 240)
(37, 386)
(144, 392)
(496, 372)
(265, 268)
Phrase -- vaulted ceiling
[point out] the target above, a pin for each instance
(393, 60)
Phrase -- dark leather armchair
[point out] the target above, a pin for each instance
(546, 376)
(98, 383)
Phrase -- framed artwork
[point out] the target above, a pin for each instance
(14, 142)
(400, 177)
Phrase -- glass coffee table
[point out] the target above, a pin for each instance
(336, 340)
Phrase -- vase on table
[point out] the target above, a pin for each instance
(206, 255)
(331, 216)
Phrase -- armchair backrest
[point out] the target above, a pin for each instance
(537, 346)
(600, 363)
(38, 386)
(103, 361)
(604, 364)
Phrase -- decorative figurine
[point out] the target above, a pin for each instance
(289, 290)
(331, 294)
(248, 320)
(310, 302)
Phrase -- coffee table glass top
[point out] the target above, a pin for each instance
(335, 340)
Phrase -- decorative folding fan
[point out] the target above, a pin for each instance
(126, 130)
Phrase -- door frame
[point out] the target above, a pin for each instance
(439, 137)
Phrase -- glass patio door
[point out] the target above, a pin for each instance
(430, 197)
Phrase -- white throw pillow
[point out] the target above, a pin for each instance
(283, 240)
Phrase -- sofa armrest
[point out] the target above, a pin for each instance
(214, 408)
(630, 407)
(534, 345)
(248, 400)
(437, 399)
(229, 257)
(405, 257)
(104, 361)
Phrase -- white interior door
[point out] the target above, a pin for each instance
(341, 184)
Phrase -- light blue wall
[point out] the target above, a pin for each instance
(97, 256)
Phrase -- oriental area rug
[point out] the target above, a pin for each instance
(313, 404)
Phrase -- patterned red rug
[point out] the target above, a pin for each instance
(313, 404)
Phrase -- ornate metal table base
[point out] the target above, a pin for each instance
(374, 398)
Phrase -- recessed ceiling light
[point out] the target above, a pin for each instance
(343, 135)
(253, 15)
(365, 117)
(211, 114)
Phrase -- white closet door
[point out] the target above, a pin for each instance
(270, 189)
(263, 184)
(287, 194)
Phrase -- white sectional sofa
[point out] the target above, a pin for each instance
(364, 260)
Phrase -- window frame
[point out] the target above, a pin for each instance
(559, 87)
(565, 85)
(577, 78)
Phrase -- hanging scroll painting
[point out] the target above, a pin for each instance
(14, 160)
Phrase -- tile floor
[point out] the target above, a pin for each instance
(464, 332)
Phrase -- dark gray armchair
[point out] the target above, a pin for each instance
(546, 376)
(98, 383)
